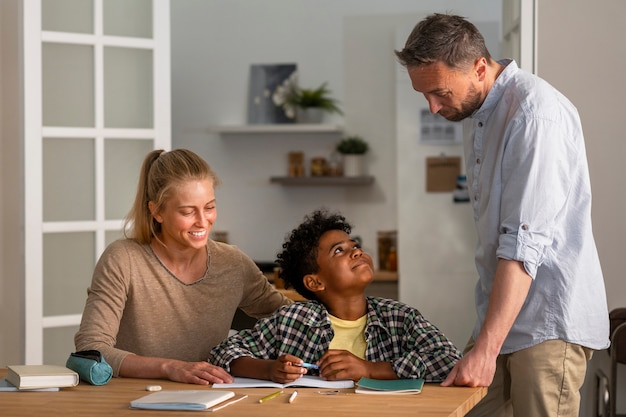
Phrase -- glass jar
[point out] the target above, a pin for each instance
(318, 166)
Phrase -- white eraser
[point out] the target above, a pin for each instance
(153, 388)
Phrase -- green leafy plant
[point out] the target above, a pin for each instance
(290, 97)
(352, 145)
(314, 98)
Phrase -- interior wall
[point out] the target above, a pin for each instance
(213, 44)
(587, 66)
(11, 206)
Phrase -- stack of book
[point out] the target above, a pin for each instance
(38, 378)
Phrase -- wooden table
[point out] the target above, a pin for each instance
(113, 399)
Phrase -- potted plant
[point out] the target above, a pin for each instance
(319, 98)
(352, 145)
(353, 150)
(307, 105)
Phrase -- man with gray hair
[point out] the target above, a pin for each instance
(540, 297)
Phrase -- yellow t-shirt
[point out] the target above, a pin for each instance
(349, 335)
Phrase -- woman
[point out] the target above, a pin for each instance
(164, 296)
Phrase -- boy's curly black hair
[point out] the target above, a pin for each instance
(299, 255)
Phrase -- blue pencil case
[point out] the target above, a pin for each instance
(90, 366)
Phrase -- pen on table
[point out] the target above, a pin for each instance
(293, 397)
(269, 397)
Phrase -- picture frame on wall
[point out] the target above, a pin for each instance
(265, 80)
(437, 130)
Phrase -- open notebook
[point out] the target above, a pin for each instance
(305, 381)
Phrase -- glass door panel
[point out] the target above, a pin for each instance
(122, 162)
(68, 180)
(67, 16)
(128, 88)
(67, 85)
(112, 235)
(68, 263)
(91, 92)
(128, 18)
(62, 339)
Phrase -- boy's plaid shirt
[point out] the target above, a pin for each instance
(395, 332)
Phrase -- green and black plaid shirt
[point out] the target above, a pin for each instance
(395, 333)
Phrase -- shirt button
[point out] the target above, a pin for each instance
(478, 161)
(480, 124)
(524, 227)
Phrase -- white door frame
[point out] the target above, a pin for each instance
(34, 132)
(519, 32)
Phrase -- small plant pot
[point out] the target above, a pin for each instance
(353, 165)
(310, 115)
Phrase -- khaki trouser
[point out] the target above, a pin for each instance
(543, 380)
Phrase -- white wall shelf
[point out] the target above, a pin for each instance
(286, 128)
(320, 181)
(301, 129)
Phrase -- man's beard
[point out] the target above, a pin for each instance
(471, 103)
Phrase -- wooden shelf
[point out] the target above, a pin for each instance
(317, 181)
(385, 284)
(386, 276)
(283, 128)
(379, 276)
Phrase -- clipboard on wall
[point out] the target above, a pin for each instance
(442, 172)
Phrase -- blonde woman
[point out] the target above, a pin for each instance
(161, 298)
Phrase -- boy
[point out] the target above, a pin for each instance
(346, 333)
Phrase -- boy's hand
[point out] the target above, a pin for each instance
(286, 369)
(341, 364)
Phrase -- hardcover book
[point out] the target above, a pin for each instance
(41, 376)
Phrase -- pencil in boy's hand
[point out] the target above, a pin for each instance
(310, 366)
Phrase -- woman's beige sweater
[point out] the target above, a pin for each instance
(135, 304)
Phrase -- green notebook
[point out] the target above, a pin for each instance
(389, 386)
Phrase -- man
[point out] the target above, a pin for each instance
(540, 298)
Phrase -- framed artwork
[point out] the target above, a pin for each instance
(437, 130)
(266, 82)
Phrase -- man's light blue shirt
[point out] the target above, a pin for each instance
(531, 197)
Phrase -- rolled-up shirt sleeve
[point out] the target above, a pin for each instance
(535, 188)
